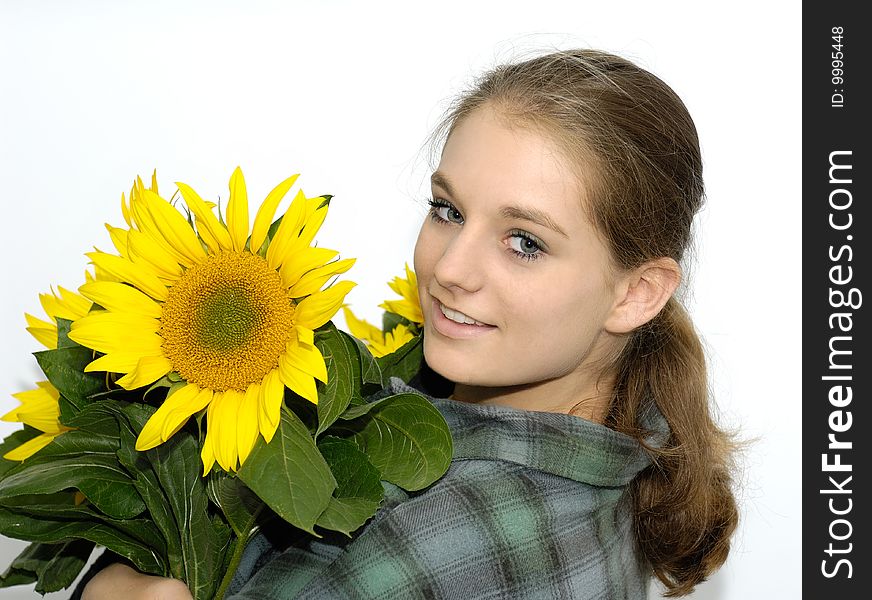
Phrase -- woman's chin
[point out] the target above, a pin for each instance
(453, 366)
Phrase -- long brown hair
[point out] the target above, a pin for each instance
(626, 125)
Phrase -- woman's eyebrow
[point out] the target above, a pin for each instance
(438, 178)
(534, 215)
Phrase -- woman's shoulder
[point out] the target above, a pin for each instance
(488, 528)
(530, 507)
(560, 444)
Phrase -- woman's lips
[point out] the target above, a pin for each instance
(453, 329)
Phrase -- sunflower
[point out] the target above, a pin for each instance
(64, 305)
(379, 343)
(410, 306)
(39, 407)
(230, 311)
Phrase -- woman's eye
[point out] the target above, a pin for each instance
(525, 245)
(445, 211)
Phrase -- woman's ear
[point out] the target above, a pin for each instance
(641, 294)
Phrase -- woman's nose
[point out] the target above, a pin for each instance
(461, 264)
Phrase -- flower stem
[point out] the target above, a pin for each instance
(238, 551)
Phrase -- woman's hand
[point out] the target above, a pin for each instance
(120, 581)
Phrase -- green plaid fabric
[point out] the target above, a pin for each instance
(530, 508)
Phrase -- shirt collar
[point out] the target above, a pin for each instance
(555, 443)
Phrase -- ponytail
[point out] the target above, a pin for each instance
(683, 508)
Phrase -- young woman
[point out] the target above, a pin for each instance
(586, 459)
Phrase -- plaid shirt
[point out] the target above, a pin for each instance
(530, 508)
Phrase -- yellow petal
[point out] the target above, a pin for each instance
(74, 305)
(295, 265)
(221, 427)
(405, 309)
(119, 297)
(67, 305)
(149, 370)
(410, 306)
(119, 239)
(38, 408)
(315, 279)
(287, 232)
(109, 331)
(44, 332)
(117, 362)
(408, 287)
(127, 359)
(180, 412)
(314, 220)
(135, 274)
(308, 359)
(298, 381)
(237, 211)
(147, 225)
(207, 456)
(174, 228)
(361, 329)
(246, 422)
(172, 414)
(394, 340)
(272, 395)
(267, 211)
(214, 234)
(315, 310)
(305, 335)
(30, 447)
(125, 210)
(143, 248)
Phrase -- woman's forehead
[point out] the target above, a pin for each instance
(519, 166)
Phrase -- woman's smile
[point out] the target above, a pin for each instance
(455, 324)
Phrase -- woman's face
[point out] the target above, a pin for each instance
(514, 282)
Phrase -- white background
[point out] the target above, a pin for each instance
(93, 93)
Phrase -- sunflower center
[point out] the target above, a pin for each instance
(226, 321)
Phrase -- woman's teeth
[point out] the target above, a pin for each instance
(458, 317)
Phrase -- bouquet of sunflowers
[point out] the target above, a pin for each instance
(196, 390)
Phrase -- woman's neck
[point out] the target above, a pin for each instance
(589, 400)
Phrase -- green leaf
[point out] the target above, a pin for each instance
(369, 369)
(67, 409)
(61, 506)
(355, 412)
(98, 417)
(98, 476)
(78, 443)
(64, 368)
(14, 576)
(289, 474)
(84, 459)
(64, 340)
(391, 320)
(359, 490)
(11, 442)
(239, 504)
(131, 420)
(203, 543)
(55, 565)
(408, 440)
(343, 375)
(404, 362)
(52, 530)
